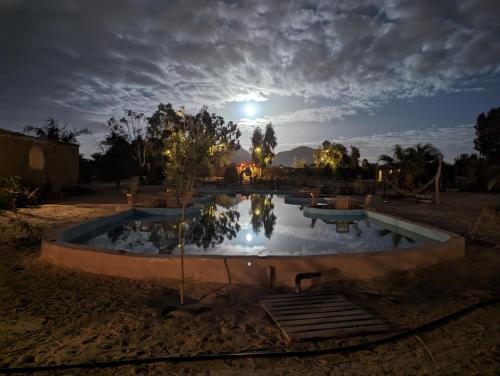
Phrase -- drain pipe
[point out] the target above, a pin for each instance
(261, 353)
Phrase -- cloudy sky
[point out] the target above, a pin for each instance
(367, 73)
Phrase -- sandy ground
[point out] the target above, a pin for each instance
(54, 315)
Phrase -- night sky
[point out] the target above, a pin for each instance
(370, 74)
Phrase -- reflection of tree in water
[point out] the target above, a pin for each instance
(163, 235)
(207, 230)
(135, 235)
(213, 226)
(262, 214)
(396, 238)
(130, 233)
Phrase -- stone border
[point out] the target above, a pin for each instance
(253, 270)
(311, 212)
(302, 200)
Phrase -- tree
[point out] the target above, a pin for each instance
(256, 148)
(354, 157)
(231, 175)
(467, 164)
(192, 144)
(132, 128)
(412, 165)
(330, 155)
(263, 145)
(269, 144)
(155, 135)
(54, 132)
(115, 162)
(487, 140)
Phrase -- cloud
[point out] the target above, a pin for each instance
(450, 140)
(84, 61)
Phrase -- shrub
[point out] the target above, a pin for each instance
(133, 187)
(231, 175)
(14, 194)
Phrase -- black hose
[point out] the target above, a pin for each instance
(261, 353)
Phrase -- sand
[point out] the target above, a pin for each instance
(53, 315)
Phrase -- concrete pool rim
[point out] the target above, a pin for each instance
(253, 269)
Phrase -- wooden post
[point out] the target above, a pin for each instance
(437, 180)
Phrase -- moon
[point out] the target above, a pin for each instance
(249, 237)
(250, 109)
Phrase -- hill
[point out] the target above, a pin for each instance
(287, 158)
(241, 156)
(283, 158)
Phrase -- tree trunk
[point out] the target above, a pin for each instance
(437, 181)
(181, 243)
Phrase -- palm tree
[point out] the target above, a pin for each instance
(411, 164)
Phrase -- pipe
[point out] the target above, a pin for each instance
(260, 353)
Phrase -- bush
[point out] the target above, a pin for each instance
(14, 194)
(231, 176)
(133, 186)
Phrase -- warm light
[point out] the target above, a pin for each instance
(250, 109)
(258, 149)
(249, 237)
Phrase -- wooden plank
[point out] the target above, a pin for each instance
(312, 306)
(301, 297)
(335, 325)
(305, 301)
(297, 302)
(338, 332)
(303, 294)
(316, 310)
(346, 313)
(320, 314)
(324, 320)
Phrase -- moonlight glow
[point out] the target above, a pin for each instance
(249, 237)
(250, 109)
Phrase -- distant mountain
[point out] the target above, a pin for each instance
(241, 156)
(287, 158)
(283, 158)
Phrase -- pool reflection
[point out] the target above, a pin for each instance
(255, 225)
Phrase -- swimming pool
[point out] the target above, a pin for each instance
(250, 239)
(262, 225)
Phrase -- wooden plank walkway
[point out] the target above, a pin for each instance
(319, 315)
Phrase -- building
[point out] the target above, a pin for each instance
(37, 160)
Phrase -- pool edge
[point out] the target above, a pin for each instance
(254, 270)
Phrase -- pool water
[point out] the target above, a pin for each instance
(261, 225)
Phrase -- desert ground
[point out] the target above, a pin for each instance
(53, 315)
